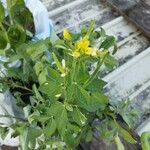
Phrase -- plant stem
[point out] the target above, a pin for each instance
(21, 87)
(74, 69)
(10, 14)
(2, 27)
(93, 76)
(15, 85)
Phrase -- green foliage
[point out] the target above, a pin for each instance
(3, 132)
(145, 141)
(110, 62)
(2, 12)
(53, 87)
(16, 35)
(130, 117)
(91, 101)
(3, 41)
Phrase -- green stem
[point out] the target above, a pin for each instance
(73, 70)
(10, 14)
(93, 76)
(2, 27)
(65, 81)
(21, 87)
(14, 85)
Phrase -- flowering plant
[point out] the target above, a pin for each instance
(58, 93)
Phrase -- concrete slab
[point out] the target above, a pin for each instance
(138, 11)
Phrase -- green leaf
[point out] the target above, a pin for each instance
(42, 78)
(70, 140)
(52, 89)
(53, 75)
(27, 111)
(129, 117)
(90, 29)
(59, 65)
(108, 42)
(3, 40)
(68, 106)
(11, 3)
(16, 35)
(22, 15)
(38, 68)
(58, 110)
(50, 128)
(36, 50)
(78, 117)
(51, 83)
(2, 12)
(37, 93)
(48, 74)
(74, 128)
(98, 101)
(96, 85)
(103, 33)
(28, 137)
(3, 132)
(37, 117)
(61, 120)
(82, 74)
(91, 102)
(24, 140)
(110, 62)
(108, 129)
(21, 51)
(145, 141)
(16, 73)
(28, 72)
(115, 49)
(34, 133)
(70, 93)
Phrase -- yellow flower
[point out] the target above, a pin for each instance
(76, 54)
(83, 44)
(88, 51)
(83, 47)
(91, 51)
(66, 35)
